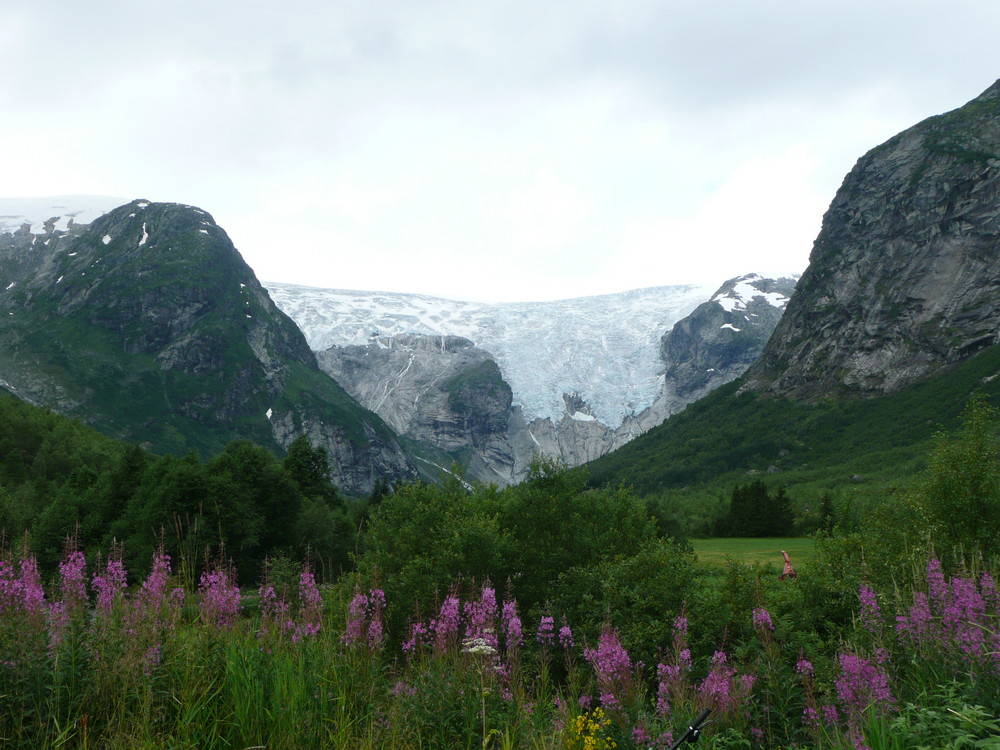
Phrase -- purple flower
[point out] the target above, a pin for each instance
(544, 635)
(610, 660)
(871, 615)
(762, 619)
(512, 626)
(566, 638)
(445, 627)
(418, 637)
(804, 667)
(73, 580)
(357, 611)
(861, 684)
(109, 584)
(717, 686)
(220, 598)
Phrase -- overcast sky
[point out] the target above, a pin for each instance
(496, 151)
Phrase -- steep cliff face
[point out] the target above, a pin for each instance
(904, 277)
(439, 390)
(149, 325)
(722, 337)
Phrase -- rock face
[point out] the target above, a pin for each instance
(904, 277)
(149, 325)
(440, 390)
(722, 337)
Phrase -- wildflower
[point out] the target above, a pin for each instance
(610, 660)
(762, 619)
(357, 610)
(418, 636)
(804, 667)
(871, 615)
(544, 634)
(861, 684)
(511, 626)
(220, 598)
(445, 627)
(478, 646)
(716, 687)
(109, 584)
(72, 580)
(566, 637)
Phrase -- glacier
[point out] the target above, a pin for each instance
(604, 349)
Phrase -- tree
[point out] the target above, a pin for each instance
(961, 488)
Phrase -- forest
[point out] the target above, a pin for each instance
(160, 601)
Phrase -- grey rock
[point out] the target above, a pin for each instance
(904, 277)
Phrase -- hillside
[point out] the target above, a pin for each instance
(890, 331)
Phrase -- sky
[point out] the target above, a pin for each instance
(482, 150)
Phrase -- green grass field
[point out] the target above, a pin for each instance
(763, 551)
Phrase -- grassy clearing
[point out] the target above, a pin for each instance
(761, 551)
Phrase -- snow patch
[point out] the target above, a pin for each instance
(145, 233)
(63, 210)
(745, 292)
(730, 326)
(579, 416)
(10, 286)
(268, 413)
(106, 239)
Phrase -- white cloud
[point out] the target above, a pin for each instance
(491, 150)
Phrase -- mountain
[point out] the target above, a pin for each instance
(890, 330)
(148, 325)
(492, 386)
(904, 277)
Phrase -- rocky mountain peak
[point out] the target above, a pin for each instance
(904, 277)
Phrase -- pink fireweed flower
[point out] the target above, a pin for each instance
(32, 593)
(357, 611)
(310, 606)
(544, 635)
(610, 661)
(109, 585)
(762, 619)
(419, 636)
(513, 635)
(376, 605)
(861, 684)
(481, 616)
(152, 594)
(918, 624)
(446, 626)
(220, 598)
(73, 580)
(722, 688)
(804, 667)
(566, 637)
(871, 615)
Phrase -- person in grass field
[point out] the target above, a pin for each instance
(788, 571)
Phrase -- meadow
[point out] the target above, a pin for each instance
(551, 614)
(764, 551)
(91, 662)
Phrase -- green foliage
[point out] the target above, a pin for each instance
(961, 488)
(755, 512)
(860, 447)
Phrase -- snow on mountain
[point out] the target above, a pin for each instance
(61, 209)
(744, 292)
(604, 349)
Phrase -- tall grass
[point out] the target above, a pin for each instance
(89, 663)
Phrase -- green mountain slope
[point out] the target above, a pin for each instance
(730, 434)
(150, 326)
